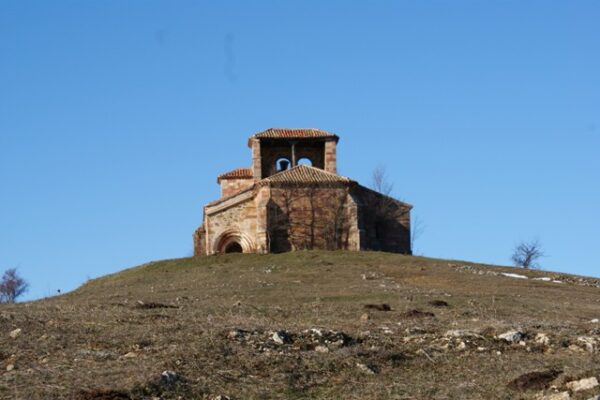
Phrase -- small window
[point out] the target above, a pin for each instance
(281, 164)
(305, 161)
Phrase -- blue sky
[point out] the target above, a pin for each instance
(117, 116)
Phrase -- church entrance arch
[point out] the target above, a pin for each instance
(233, 242)
(234, 247)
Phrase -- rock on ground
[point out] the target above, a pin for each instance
(583, 384)
(556, 396)
(15, 334)
(512, 336)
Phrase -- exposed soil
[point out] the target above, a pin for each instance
(292, 326)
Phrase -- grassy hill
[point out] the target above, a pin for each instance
(306, 325)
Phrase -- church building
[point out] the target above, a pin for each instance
(291, 198)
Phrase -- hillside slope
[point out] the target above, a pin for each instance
(306, 325)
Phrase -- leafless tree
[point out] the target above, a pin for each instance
(303, 220)
(416, 230)
(386, 208)
(526, 254)
(380, 181)
(12, 286)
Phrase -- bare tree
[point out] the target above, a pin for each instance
(416, 230)
(526, 254)
(386, 208)
(380, 181)
(305, 218)
(12, 286)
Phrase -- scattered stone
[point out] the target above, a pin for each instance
(378, 307)
(386, 330)
(595, 321)
(583, 384)
(512, 336)
(459, 333)
(365, 317)
(169, 378)
(439, 303)
(414, 330)
(542, 338)
(536, 380)
(221, 397)
(236, 334)
(281, 337)
(461, 346)
(364, 334)
(369, 276)
(98, 354)
(131, 354)
(10, 367)
(556, 396)
(15, 334)
(511, 275)
(364, 368)
(316, 331)
(321, 349)
(488, 331)
(588, 342)
(576, 349)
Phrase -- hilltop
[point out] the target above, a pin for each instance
(352, 325)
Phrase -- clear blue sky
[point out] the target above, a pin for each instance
(117, 116)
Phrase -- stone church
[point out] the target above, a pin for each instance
(291, 198)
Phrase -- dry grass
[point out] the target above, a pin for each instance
(112, 338)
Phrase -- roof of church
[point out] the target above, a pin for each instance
(290, 133)
(238, 173)
(306, 174)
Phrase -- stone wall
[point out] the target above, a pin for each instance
(304, 218)
(233, 186)
(199, 238)
(331, 156)
(384, 222)
(237, 222)
(256, 162)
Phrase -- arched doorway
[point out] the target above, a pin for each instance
(234, 247)
(233, 241)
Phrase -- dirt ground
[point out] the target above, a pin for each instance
(325, 325)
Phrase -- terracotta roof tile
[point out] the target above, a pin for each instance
(293, 133)
(305, 174)
(238, 173)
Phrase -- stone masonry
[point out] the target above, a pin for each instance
(291, 198)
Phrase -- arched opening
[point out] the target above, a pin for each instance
(282, 163)
(305, 161)
(232, 241)
(234, 247)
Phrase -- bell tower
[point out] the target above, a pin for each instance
(277, 149)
